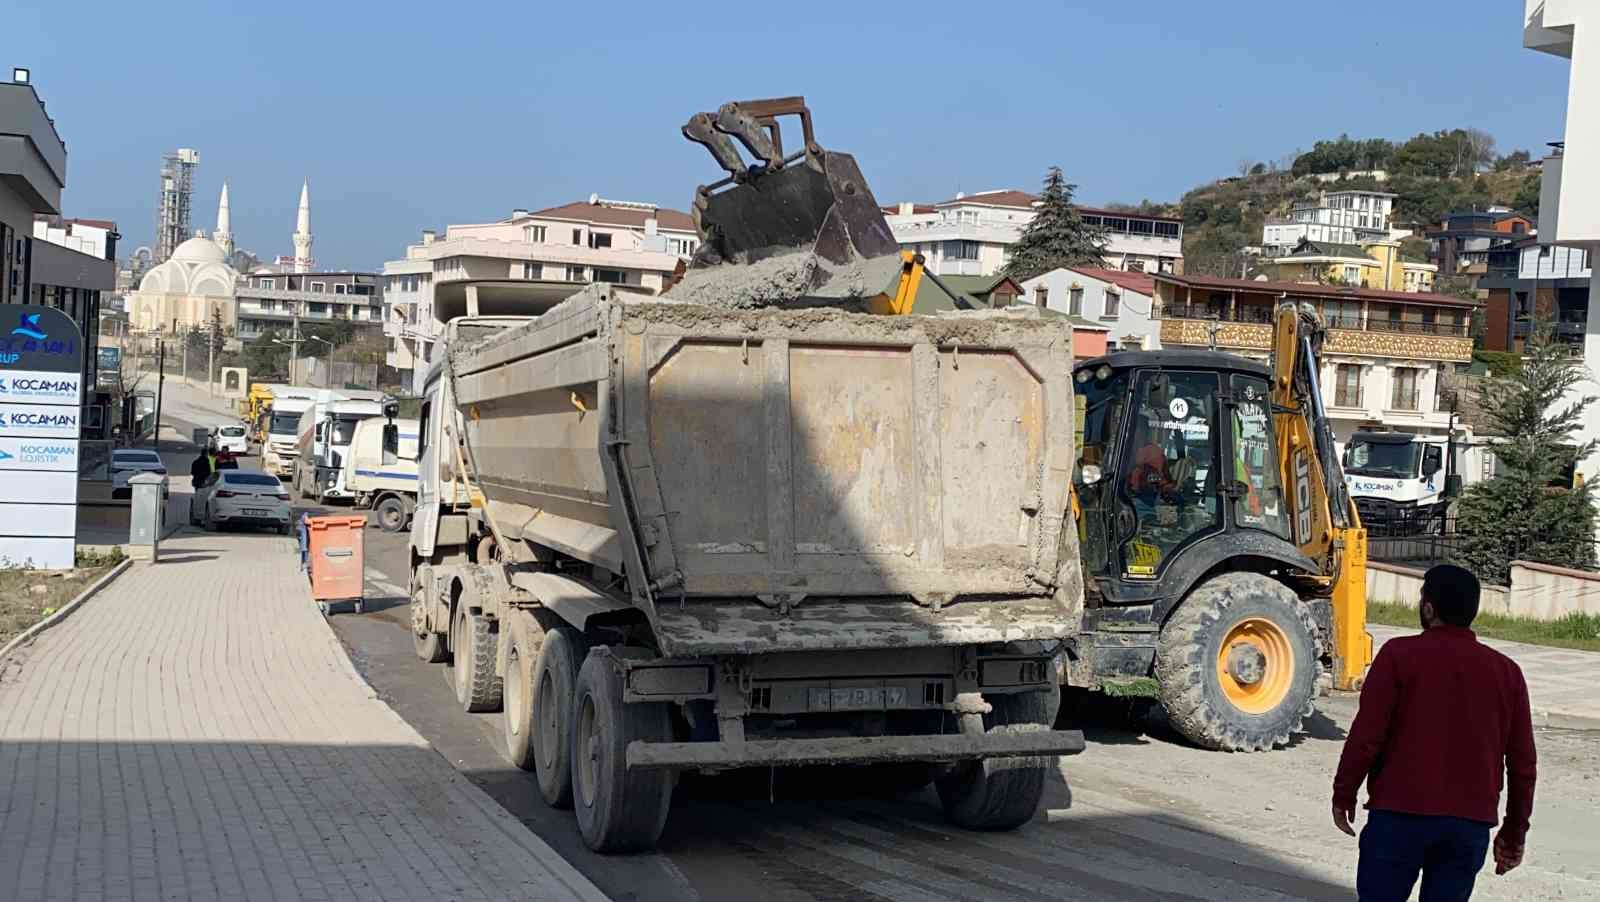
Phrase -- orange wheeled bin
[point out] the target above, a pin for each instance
(336, 557)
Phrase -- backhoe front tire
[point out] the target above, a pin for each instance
(1002, 793)
(1237, 664)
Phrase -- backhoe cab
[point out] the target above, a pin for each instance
(1220, 554)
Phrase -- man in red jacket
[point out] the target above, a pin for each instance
(1443, 718)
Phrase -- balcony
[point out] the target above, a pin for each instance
(1250, 329)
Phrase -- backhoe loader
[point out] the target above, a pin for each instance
(1221, 553)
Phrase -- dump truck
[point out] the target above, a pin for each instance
(663, 537)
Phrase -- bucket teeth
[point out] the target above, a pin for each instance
(701, 129)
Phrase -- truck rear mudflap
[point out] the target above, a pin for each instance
(1019, 742)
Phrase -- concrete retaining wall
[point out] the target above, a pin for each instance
(1537, 591)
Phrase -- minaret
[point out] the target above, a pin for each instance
(223, 236)
(302, 231)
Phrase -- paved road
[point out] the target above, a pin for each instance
(196, 732)
(1137, 816)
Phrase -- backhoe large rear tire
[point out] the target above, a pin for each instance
(1002, 793)
(1237, 664)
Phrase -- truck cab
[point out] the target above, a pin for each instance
(383, 477)
(281, 430)
(327, 430)
(1402, 483)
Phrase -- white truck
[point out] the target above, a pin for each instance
(280, 445)
(1402, 482)
(663, 537)
(325, 432)
(380, 478)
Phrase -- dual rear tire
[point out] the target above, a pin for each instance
(995, 794)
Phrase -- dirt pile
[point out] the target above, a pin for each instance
(801, 279)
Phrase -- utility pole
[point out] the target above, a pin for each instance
(161, 383)
(211, 354)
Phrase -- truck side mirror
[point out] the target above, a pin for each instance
(391, 443)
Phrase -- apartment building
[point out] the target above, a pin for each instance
(1375, 264)
(1118, 301)
(969, 234)
(524, 263)
(1569, 201)
(1339, 217)
(1386, 354)
(273, 301)
(1527, 282)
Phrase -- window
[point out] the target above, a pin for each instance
(1141, 227)
(531, 270)
(599, 239)
(264, 283)
(341, 289)
(575, 274)
(1075, 303)
(1347, 385)
(577, 236)
(319, 286)
(1134, 265)
(1168, 230)
(1173, 480)
(1405, 389)
(533, 234)
(1352, 275)
(1342, 314)
(1113, 306)
(615, 276)
(1255, 460)
(684, 247)
(961, 250)
(1041, 297)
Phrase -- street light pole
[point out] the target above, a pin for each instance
(329, 358)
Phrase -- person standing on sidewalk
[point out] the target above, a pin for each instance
(1443, 718)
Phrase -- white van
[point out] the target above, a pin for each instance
(326, 430)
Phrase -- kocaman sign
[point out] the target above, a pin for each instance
(41, 372)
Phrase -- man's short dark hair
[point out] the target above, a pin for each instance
(1453, 592)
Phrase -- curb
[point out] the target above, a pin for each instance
(1562, 721)
(27, 636)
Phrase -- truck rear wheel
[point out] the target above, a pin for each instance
(619, 810)
(1237, 664)
(554, 688)
(391, 512)
(472, 645)
(1002, 793)
(429, 645)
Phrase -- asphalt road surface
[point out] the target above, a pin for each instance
(1139, 815)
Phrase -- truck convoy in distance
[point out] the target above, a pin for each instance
(280, 448)
(324, 433)
(379, 478)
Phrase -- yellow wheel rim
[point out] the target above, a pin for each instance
(1255, 665)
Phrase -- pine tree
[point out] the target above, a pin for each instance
(1526, 512)
(1057, 236)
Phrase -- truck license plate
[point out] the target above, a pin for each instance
(856, 698)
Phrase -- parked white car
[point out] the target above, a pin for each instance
(127, 462)
(231, 437)
(241, 498)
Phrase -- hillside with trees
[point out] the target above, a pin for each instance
(1432, 174)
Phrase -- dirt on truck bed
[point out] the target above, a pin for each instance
(801, 279)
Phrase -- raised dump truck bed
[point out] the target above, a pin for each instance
(792, 536)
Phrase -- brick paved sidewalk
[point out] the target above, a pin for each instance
(1561, 682)
(197, 732)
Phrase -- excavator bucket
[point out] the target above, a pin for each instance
(809, 215)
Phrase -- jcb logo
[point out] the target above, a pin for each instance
(1302, 498)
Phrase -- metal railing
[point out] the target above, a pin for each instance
(1242, 314)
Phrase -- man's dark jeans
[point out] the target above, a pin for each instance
(1395, 847)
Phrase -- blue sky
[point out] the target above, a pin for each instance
(406, 116)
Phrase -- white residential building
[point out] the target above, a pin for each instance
(597, 240)
(1569, 201)
(968, 235)
(1119, 300)
(1340, 217)
(94, 237)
